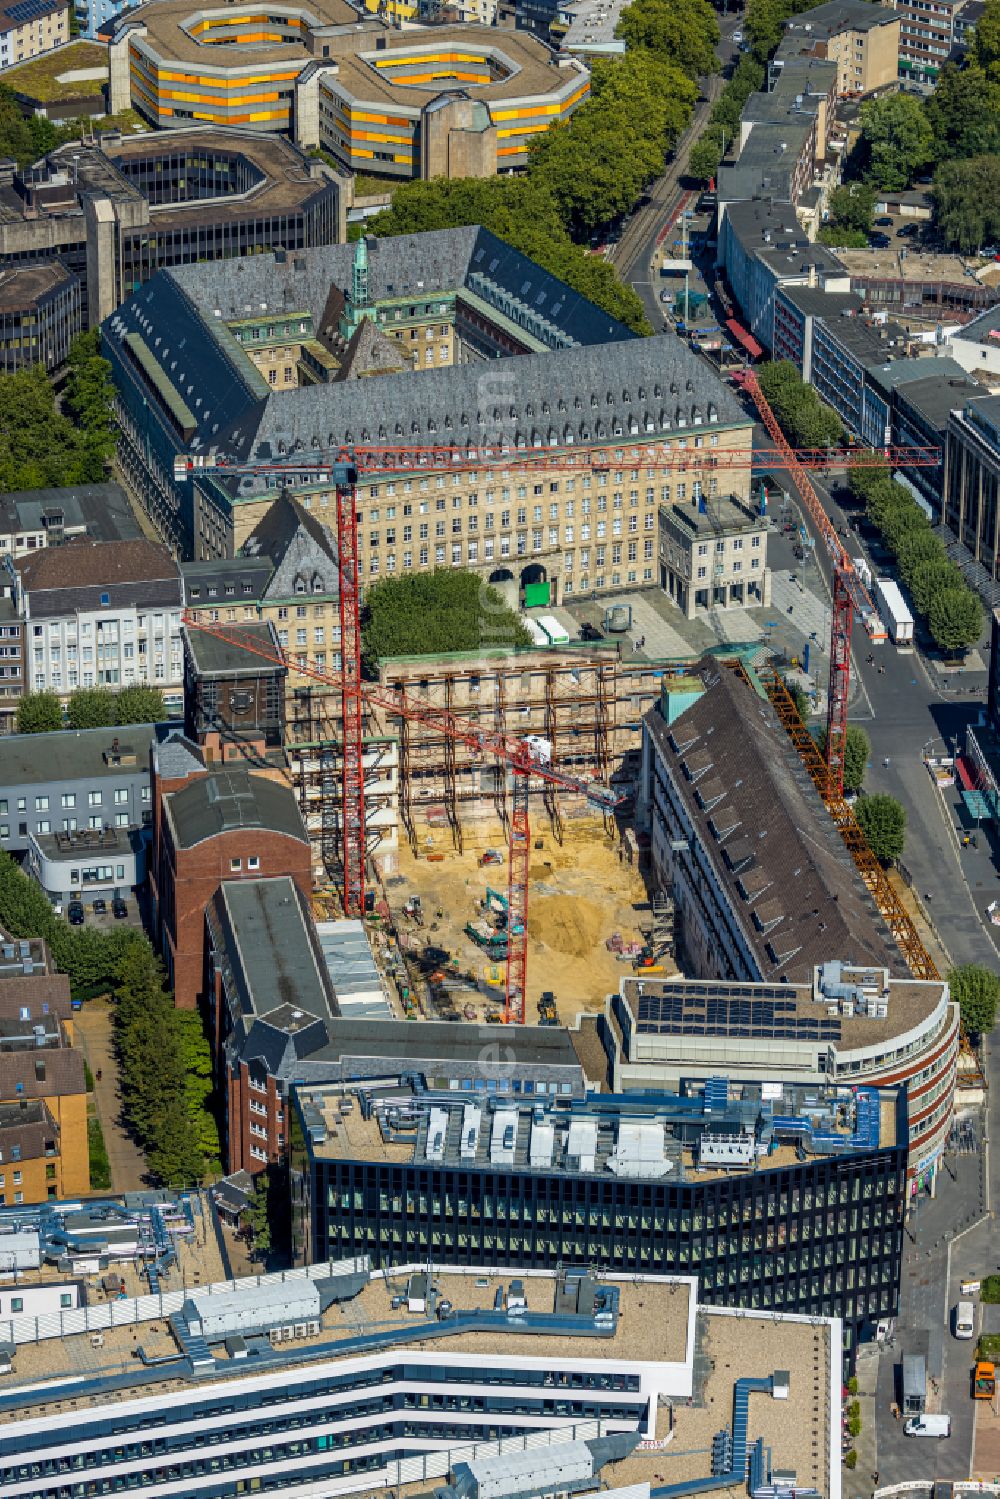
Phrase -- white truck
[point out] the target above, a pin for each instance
(535, 630)
(892, 607)
(928, 1426)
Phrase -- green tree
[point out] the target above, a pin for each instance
(985, 48)
(964, 114)
(705, 154)
(857, 751)
(39, 713)
(446, 610)
(799, 697)
(852, 206)
(930, 578)
(976, 990)
(258, 1213)
(967, 194)
(683, 32)
(917, 548)
(801, 414)
(139, 705)
(91, 708)
(882, 819)
(90, 395)
(955, 618)
(196, 1059)
(896, 138)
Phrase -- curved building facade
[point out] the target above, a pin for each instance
(852, 1025)
(453, 100)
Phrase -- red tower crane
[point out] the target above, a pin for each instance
(524, 758)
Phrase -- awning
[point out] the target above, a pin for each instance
(966, 779)
(745, 339)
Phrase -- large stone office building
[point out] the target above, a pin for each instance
(572, 448)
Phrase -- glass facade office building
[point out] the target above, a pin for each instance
(820, 1233)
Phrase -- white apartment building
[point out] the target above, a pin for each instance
(100, 614)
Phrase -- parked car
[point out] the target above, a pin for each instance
(119, 908)
(737, 38)
(590, 632)
(879, 241)
(100, 906)
(908, 231)
(883, 223)
(74, 913)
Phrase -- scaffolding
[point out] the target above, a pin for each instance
(573, 699)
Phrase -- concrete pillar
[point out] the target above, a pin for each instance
(119, 83)
(104, 291)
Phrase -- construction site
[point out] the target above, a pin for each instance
(438, 822)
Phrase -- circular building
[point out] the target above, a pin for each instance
(443, 101)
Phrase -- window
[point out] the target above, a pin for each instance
(121, 796)
(41, 804)
(253, 862)
(236, 865)
(68, 799)
(93, 798)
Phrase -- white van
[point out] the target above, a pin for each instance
(965, 1324)
(928, 1426)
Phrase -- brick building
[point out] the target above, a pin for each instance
(43, 1093)
(212, 825)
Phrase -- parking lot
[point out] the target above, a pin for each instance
(104, 921)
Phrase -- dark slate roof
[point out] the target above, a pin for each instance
(300, 549)
(205, 581)
(73, 754)
(102, 508)
(274, 961)
(935, 398)
(372, 352)
(433, 1040)
(226, 801)
(176, 755)
(737, 773)
(212, 656)
(609, 378)
(825, 21)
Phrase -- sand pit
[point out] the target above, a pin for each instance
(580, 892)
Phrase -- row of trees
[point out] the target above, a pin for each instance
(445, 610)
(587, 174)
(165, 1073)
(90, 708)
(937, 588)
(803, 417)
(41, 446)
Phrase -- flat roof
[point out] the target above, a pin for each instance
(721, 513)
(530, 69)
(785, 1012)
(102, 509)
(431, 1040)
(840, 15)
(658, 1137)
(166, 22)
(212, 656)
(651, 1322)
(75, 755)
(278, 972)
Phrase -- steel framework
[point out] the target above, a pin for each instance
(890, 907)
(849, 593)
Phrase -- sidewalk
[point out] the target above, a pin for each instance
(93, 1028)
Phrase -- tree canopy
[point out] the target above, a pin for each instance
(90, 957)
(684, 32)
(446, 610)
(977, 990)
(882, 819)
(897, 139)
(801, 414)
(39, 713)
(963, 113)
(937, 588)
(967, 194)
(851, 209)
(41, 446)
(857, 749)
(165, 1073)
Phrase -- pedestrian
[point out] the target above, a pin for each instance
(98, 1074)
(875, 1477)
(886, 763)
